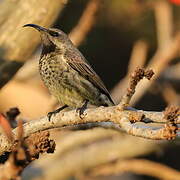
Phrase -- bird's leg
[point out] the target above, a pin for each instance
(56, 111)
(82, 109)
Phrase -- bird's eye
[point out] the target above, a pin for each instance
(54, 34)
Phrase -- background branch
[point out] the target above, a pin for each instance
(14, 40)
(82, 146)
(86, 22)
(137, 166)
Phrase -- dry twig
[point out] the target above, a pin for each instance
(138, 59)
(138, 74)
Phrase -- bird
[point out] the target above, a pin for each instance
(67, 74)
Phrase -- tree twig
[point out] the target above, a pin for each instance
(138, 75)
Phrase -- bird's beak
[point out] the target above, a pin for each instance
(39, 28)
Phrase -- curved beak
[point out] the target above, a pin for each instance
(39, 28)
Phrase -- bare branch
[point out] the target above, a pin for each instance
(118, 118)
(137, 166)
(82, 150)
(87, 20)
(138, 75)
(164, 22)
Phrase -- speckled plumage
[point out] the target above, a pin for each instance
(67, 74)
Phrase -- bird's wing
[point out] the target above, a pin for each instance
(79, 63)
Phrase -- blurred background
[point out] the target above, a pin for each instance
(115, 37)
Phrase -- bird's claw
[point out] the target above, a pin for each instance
(82, 109)
(81, 112)
(49, 115)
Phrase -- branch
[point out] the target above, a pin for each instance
(118, 118)
(138, 75)
(87, 20)
(164, 22)
(83, 150)
(137, 166)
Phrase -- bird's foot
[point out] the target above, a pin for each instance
(49, 115)
(82, 109)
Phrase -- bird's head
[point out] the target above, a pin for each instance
(51, 36)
